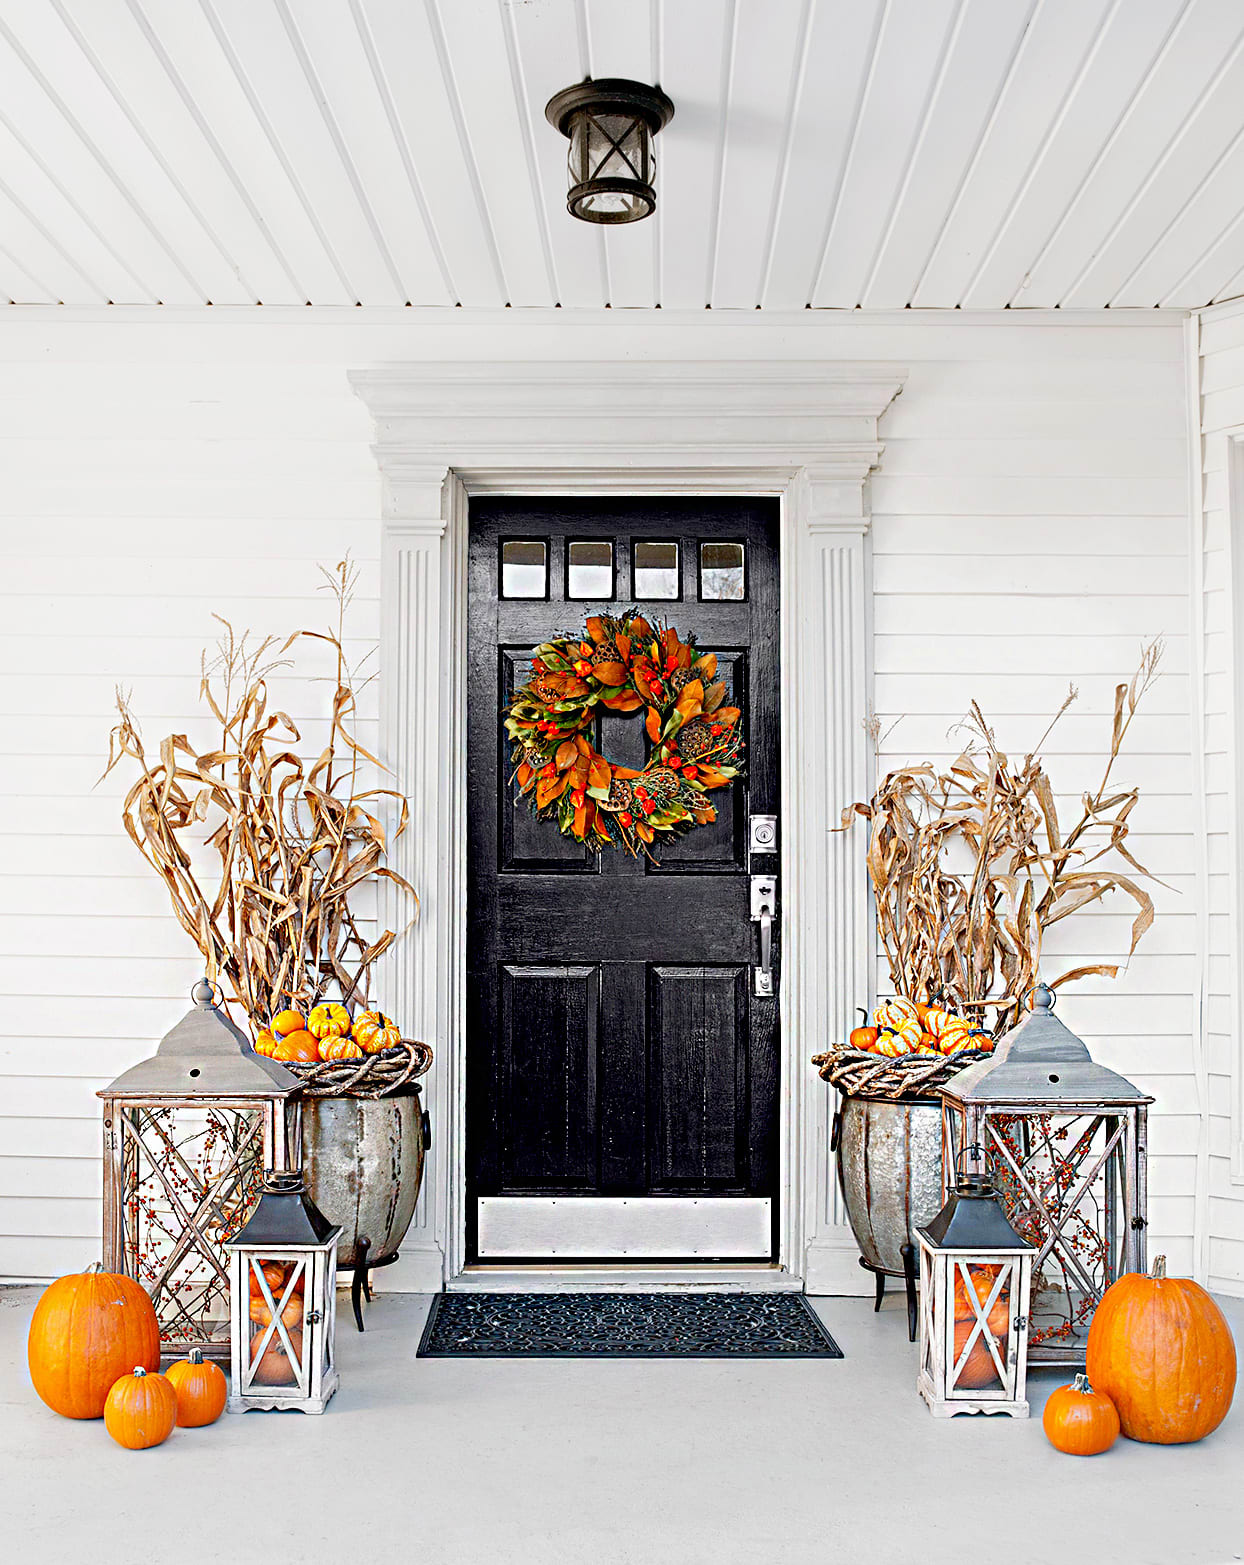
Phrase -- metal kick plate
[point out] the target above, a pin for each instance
(629, 1228)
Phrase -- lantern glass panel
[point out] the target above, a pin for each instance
(616, 148)
(190, 1175)
(982, 1326)
(277, 1341)
(1068, 1179)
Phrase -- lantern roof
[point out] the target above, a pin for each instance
(284, 1215)
(973, 1219)
(1040, 1061)
(205, 1056)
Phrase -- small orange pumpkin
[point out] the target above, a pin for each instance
(1161, 1350)
(274, 1368)
(265, 1042)
(863, 1036)
(140, 1410)
(374, 1031)
(983, 1278)
(340, 1049)
(87, 1330)
(892, 1043)
(329, 1020)
(200, 1388)
(301, 1046)
(274, 1276)
(895, 1013)
(291, 1314)
(285, 1022)
(1079, 1420)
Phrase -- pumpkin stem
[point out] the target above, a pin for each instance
(1081, 1384)
(195, 1355)
(1159, 1268)
(140, 1372)
(94, 1268)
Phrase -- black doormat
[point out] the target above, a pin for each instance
(625, 1325)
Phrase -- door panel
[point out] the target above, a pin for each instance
(617, 1055)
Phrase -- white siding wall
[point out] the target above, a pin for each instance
(1031, 529)
(1222, 425)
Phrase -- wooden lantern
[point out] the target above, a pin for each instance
(975, 1275)
(1063, 1140)
(283, 1284)
(188, 1135)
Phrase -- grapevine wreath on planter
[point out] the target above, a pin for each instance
(624, 665)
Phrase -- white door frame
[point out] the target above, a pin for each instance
(805, 432)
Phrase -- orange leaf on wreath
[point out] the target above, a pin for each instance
(712, 778)
(652, 724)
(610, 673)
(708, 664)
(623, 644)
(525, 774)
(645, 833)
(580, 821)
(598, 773)
(624, 701)
(566, 754)
(727, 715)
(624, 773)
(640, 628)
(584, 749)
(550, 788)
(595, 627)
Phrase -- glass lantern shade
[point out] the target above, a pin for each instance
(188, 1134)
(975, 1276)
(611, 163)
(1064, 1141)
(283, 1287)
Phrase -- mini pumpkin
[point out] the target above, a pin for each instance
(274, 1276)
(200, 1388)
(87, 1330)
(265, 1042)
(893, 1044)
(1079, 1420)
(895, 1012)
(340, 1049)
(1161, 1350)
(285, 1022)
(374, 1031)
(301, 1046)
(863, 1036)
(983, 1278)
(329, 1020)
(140, 1410)
(291, 1310)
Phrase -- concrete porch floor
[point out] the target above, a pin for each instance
(453, 1461)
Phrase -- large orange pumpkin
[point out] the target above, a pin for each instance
(140, 1410)
(200, 1388)
(1079, 1420)
(1161, 1350)
(87, 1331)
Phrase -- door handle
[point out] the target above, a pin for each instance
(764, 910)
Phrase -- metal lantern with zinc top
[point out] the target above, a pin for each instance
(1063, 1139)
(283, 1281)
(975, 1274)
(187, 1137)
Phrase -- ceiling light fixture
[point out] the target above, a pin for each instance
(612, 166)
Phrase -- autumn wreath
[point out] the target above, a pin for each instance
(624, 665)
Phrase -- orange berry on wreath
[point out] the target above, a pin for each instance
(691, 771)
(674, 762)
(626, 818)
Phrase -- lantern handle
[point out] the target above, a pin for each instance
(204, 993)
(1040, 997)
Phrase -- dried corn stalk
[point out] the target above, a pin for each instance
(970, 865)
(296, 840)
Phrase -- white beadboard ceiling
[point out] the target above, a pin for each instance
(826, 153)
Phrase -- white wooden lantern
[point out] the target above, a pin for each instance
(975, 1278)
(283, 1303)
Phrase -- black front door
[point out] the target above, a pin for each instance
(622, 1069)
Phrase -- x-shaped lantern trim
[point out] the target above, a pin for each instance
(614, 146)
(298, 1361)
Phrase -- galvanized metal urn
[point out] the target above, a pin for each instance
(1064, 1140)
(889, 1158)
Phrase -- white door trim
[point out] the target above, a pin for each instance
(805, 432)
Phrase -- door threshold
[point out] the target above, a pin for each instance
(539, 1277)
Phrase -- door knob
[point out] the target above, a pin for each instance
(764, 911)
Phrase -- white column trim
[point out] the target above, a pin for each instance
(806, 433)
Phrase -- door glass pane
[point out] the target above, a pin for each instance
(589, 570)
(524, 568)
(656, 570)
(721, 572)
